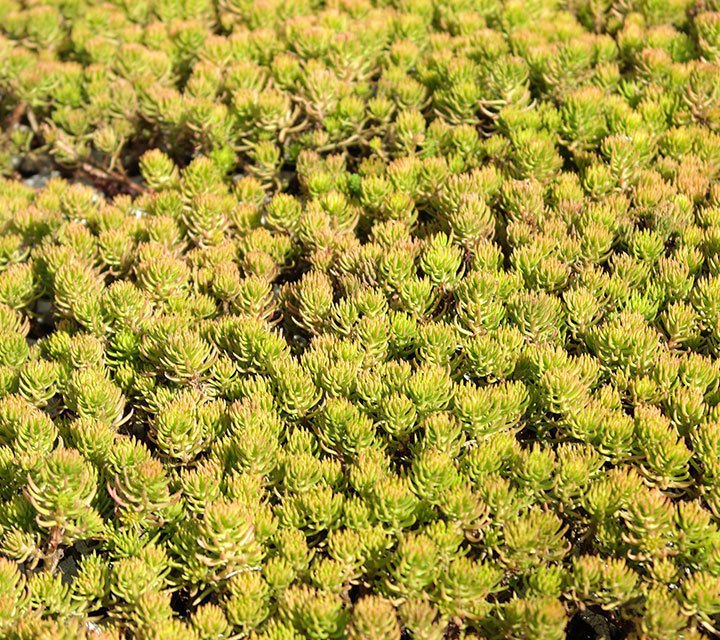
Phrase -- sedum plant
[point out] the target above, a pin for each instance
(358, 319)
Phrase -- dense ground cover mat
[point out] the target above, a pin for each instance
(360, 319)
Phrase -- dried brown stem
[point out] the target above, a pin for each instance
(12, 120)
(114, 177)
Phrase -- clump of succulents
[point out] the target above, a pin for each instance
(359, 319)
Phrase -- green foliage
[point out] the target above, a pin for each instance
(358, 319)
